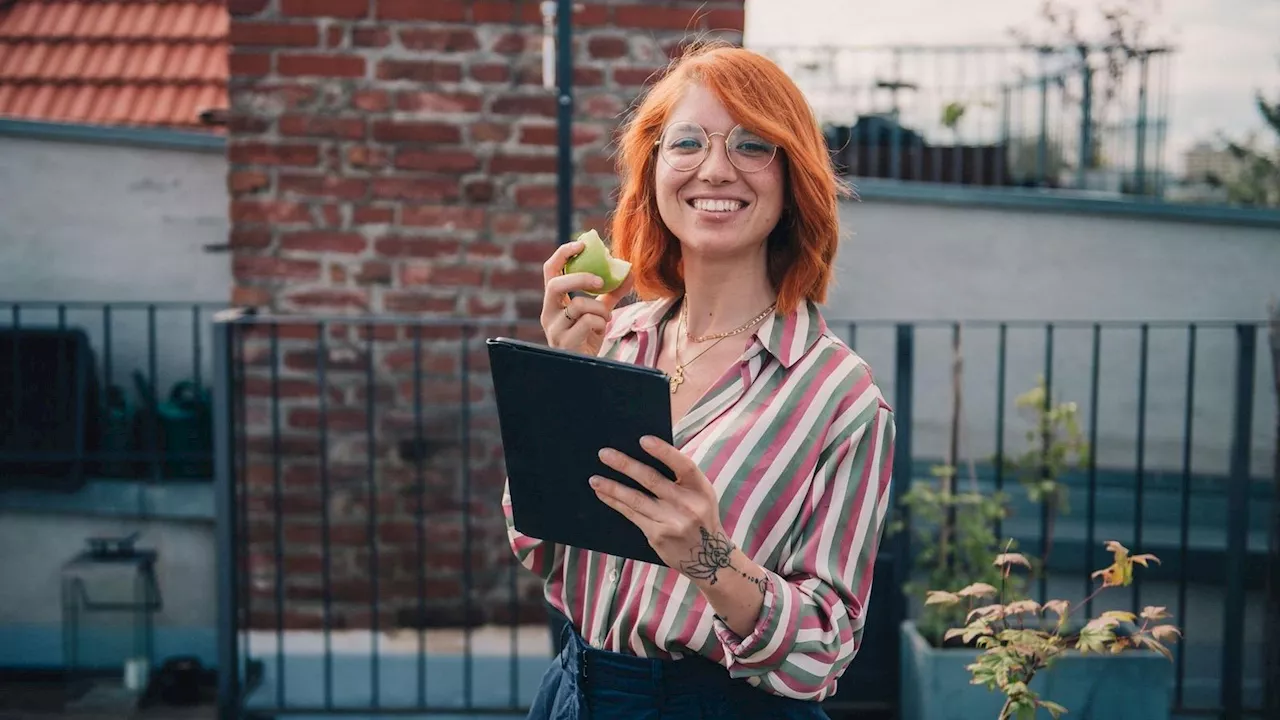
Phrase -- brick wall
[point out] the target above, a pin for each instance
(398, 157)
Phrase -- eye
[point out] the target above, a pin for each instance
(754, 147)
(684, 144)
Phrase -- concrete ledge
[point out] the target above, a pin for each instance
(190, 500)
(104, 135)
(1061, 201)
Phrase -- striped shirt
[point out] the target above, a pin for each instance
(798, 442)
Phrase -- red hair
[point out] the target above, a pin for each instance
(760, 96)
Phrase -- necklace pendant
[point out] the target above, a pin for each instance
(677, 378)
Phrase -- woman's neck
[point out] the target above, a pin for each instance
(723, 295)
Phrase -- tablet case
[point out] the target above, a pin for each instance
(556, 409)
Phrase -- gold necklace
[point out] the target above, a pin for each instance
(677, 377)
(684, 310)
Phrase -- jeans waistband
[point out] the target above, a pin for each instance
(640, 675)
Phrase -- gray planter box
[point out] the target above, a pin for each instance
(1134, 685)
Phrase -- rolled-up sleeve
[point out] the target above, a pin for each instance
(811, 624)
(538, 556)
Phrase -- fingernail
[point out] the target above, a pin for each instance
(606, 454)
(596, 282)
(594, 481)
(648, 442)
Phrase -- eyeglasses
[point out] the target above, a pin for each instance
(685, 145)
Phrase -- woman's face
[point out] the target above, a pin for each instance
(716, 208)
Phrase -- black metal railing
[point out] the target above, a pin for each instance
(104, 390)
(363, 558)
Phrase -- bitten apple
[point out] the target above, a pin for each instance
(596, 259)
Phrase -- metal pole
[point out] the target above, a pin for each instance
(1238, 524)
(225, 516)
(564, 108)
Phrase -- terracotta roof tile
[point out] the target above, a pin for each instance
(157, 63)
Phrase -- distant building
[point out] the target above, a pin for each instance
(1204, 162)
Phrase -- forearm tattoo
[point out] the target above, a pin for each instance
(712, 556)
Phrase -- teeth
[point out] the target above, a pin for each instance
(717, 205)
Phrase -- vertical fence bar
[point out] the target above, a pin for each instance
(326, 557)
(277, 471)
(1140, 140)
(564, 120)
(904, 376)
(1042, 147)
(1001, 355)
(1238, 524)
(1140, 470)
(153, 381)
(1086, 121)
(1184, 527)
(196, 350)
(1003, 160)
(420, 513)
(1091, 511)
(107, 371)
(895, 149)
(17, 361)
(371, 515)
(466, 510)
(242, 495)
(1048, 504)
(224, 519)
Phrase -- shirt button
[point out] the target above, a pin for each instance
(613, 576)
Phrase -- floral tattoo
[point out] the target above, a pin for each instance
(713, 556)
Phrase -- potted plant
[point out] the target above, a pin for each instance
(1041, 659)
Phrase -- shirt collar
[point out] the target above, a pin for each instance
(787, 337)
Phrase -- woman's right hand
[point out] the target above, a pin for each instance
(576, 324)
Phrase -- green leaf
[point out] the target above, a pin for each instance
(1055, 710)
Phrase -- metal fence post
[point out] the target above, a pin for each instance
(1086, 123)
(229, 699)
(1238, 525)
(904, 376)
(564, 112)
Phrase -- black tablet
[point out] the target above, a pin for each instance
(556, 409)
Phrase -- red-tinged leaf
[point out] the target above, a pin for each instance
(1154, 612)
(953, 632)
(1119, 615)
(1142, 559)
(978, 590)
(1060, 607)
(1165, 632)
(1022, 606)
(1007, 559)
(941, 597)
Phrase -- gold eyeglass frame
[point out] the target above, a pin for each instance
(707, 154)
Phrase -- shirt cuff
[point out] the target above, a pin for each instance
(743, 649)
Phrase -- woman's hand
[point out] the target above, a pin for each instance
(575, 324)
(682, 523)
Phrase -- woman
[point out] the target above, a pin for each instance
(783, 442)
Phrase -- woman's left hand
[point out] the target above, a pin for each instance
(682, 520)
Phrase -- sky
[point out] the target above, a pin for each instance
(1226, 50)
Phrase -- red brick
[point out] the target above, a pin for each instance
(269, 211)
(265, 267)
(515, 280)
(505, 11)
(249, 239)
(490, 73)
(335, 419)
(374, 272)
(332, 186)
(657, 18)
(319, 65)
(415, 247)
(583, 76)
(634, 76)
(598, 165)
(333, 242)
(524, 105)
(604, 106)
(522, 164)
(242, 296)
(532, 251)
(439, 39)
(245, 33)
(420, 132)
(514, 43)
(486, 131)
(330, 299)
(437, 160)
(248, 64)
(509, 223)
(549, 134)
(372, 215)
(726, 19)
(404, 302)
(491, 306)
(371, 100)
(437, 10)
(349, 9)
(439, 102)
(544, 196)
(446, 217)
(242, 8)
(415, 188)
(478, 191)
(607, 47)
(324, 126)
(370, 37)
(335, 36)
(244, 182)
(412, 274)
(419, 71)
(365, 157)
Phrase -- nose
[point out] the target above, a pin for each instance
(717, 168)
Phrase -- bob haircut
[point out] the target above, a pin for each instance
(760, 96)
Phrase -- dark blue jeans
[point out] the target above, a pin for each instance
(584, 683)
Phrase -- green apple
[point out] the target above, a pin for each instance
(595, 259)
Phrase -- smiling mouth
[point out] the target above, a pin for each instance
(717, 206)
